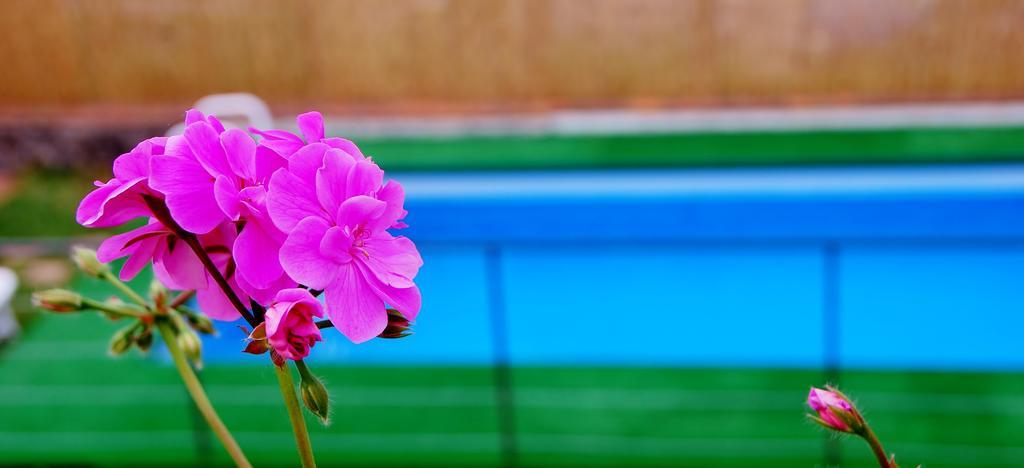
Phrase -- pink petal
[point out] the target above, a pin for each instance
(359, 210)
(354, 307)
(225, 192)
(205, 144)
(336, 245)
(311, 124)
(332, 178)
(393, 260)
(112, 204)
(266, 163)
(139, 244)
(298, 295)
(189, 192)
(265, 295)
(194, 115)
(301, 258)
(364, 179)
(134, 164)
(285, 148)
(291, 199)
(256, 254)
(394, 195)
(215, 304)
(305, 162)
(240, 149)
(215, 123)
(178, 267)
(407, 299)
(276, 135)
(344, 145)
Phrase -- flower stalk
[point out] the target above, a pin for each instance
(284, 378)
(195, 389)
(291, 402)
(146, 315)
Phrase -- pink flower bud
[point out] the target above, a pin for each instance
(398, 326)
(290, 328)
(57, 300)
(834, 410)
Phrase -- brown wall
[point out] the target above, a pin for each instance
(430, 54)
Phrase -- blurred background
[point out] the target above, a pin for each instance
(648, 225)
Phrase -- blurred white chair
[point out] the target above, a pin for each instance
(234, 110)
(8, 324)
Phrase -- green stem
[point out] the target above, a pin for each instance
(123, 310)
(284, 378)
(876, 448)
(199, 396)
(127, 291)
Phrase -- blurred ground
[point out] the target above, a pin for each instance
(65, 401)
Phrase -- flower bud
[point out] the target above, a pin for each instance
(57, 300)
(158, 293)
(834, 411)
(85, 259)
(122, 340)
(398, 326)
(314, 393)
(189, 343)
(145, 339)
(201, 323)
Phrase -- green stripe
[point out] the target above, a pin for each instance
(701, 149)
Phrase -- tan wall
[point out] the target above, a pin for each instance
(406, 53)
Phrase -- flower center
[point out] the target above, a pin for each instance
(359, 236)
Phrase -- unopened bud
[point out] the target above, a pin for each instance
(57, 300)
(201, 323)
(158, 293)
(835, 411)
(191, 346)
(145, 339)
(122, 340)
(398, 326)
(85, 259)
(314, 393)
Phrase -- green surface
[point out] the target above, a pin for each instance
(62, 400)
(44, 203)
(888, 146)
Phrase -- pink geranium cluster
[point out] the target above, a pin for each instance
(242, 217)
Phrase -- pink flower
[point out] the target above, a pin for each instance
(311, 125)
(290, 328)
(175, 264)
(119, 200)
(210, 176)
(336, 210)
(834, 410)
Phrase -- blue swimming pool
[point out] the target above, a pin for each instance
(869, 267)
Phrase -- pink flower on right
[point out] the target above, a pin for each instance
(826, 404)
(336, 209)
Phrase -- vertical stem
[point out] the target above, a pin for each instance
(199, 396)
(193, 243)
(160, 212)
(876, 448)
(284, 378)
